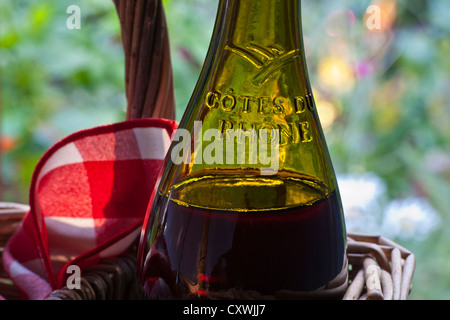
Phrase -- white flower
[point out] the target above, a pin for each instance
(362, 200)
(411, 217)
(367, 210)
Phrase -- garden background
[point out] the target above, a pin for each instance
(383, 96)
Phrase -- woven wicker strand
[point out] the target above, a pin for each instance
(378, 269)
(148, 65)
(11, 215)
(381, 269)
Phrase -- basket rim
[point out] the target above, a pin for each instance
(13, 208)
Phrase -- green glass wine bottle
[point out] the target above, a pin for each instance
(247, 203)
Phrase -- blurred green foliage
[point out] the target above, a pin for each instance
(54, 81)
(383, 96)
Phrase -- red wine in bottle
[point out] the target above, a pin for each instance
(218, 252)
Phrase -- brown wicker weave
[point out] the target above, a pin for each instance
(11, 214)
(378, 269)
(148, 65)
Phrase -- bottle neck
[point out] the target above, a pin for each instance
(261, 22)
(262, 36)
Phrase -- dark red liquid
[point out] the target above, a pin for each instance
(205, 252)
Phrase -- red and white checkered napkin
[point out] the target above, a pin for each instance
(88, 198)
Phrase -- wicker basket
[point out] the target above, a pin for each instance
(11, 215)
(378, 269)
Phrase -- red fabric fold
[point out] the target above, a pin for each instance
(88, 198)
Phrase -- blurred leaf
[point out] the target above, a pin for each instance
(40, 14)
(8, 40)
